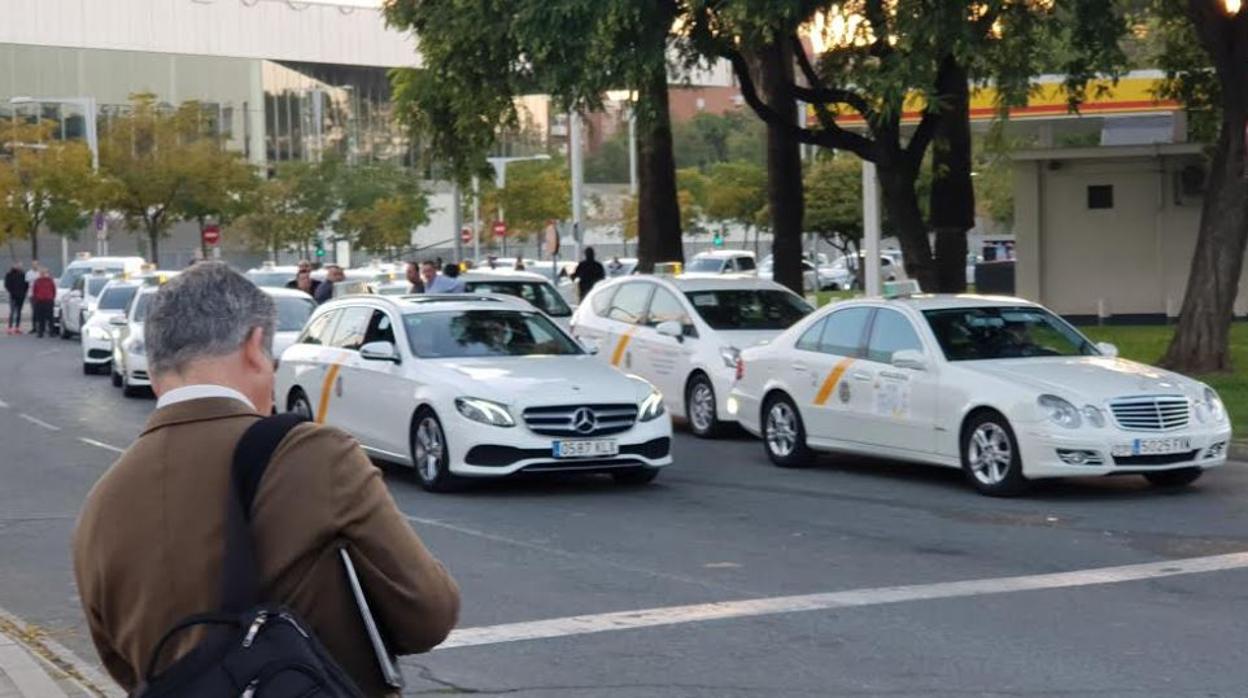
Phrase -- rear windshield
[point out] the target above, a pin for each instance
(705, 264)
(539, 294)
(96, 284)
(293, 312)
(477, 333)
(270, 278)
(117, 297)
(749, 309)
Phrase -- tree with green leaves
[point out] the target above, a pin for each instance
(833, 190)
(274, 220)
(1212, 82)
(219, 189)
(882, 59)
(737, 192)
(464, 94)
(153, 157)
(379, 206)
(535, 193)
(43, 183)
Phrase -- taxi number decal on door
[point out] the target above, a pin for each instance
(829, 383)
(330, 376)
(620, 346)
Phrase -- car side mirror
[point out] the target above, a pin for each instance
(911, 359)
(670, 328)
(590, 346)
(379, 351)
(118, 321)
(1107, 349)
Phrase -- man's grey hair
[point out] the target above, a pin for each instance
(206, 311)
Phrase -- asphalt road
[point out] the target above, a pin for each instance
(723, 525)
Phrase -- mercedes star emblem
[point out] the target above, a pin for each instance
(584, 421)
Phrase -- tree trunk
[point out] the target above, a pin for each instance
(658, 210)
(897, 179)
(153, 242)
(784, 164)
(1201, 344)
(203, 246)
(34, 242)
(952, 207)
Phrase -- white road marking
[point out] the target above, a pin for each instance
(675, 615)
(101, 444)
(27, 676)
(39, 422)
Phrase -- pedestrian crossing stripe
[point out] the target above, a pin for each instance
(834, 376)
(620, 346)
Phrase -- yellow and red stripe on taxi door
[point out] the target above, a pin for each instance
(829, 383)
(322, 409)
(621, 345)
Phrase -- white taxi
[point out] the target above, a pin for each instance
(467, 386)
(129, 349)
(77, 305)
(684, 333)
(999, 387)
(97, 333)
(532, 288)
(86, 265)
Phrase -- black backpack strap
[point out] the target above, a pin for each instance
(240, 579)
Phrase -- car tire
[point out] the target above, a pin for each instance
(990, 457)
(116, 378)
(89, 369)
(1173, 479)
(65, 332)
(429, 453)
(635, 476)
(784, 435)
(300, 404)
(701, 407)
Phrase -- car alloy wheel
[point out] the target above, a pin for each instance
(990, 456)
(784, 436)
(300, 405)
(700, 406)
(429, 454)
(990, 453)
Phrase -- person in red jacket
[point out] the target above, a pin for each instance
(42, 296)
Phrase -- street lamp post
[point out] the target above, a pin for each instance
(87, 104)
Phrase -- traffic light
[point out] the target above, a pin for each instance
(719, 240)
(320, 249)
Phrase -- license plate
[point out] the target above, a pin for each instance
(586, 449)
(1153, 447)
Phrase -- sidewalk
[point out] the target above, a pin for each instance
(23, 675)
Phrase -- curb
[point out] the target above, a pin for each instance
(54, 656)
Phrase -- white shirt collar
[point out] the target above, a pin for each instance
(197, 392)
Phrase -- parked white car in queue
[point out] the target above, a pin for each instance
(97, 332)
(77, 305)
(999, 387)
(683, 334)
(471, 386)
(129, 350)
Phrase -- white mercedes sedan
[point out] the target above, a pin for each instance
(471, 386)
(999, 387)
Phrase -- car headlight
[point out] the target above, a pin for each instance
(99, 333)
(651, 407)
(485, 411)
(1093, 416)
(1213, 406)
(729, 356)
(136, 347)
(1060, 411)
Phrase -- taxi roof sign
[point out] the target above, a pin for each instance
(668, 268)
(899, 289)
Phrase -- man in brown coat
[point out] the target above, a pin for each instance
(149, 547)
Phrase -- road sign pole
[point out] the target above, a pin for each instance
(476, 219)
(870, 229)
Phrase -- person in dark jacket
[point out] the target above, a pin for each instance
(588, 273)
(43, 297)
(325, 292)
(15, 286)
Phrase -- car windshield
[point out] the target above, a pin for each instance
(539, 294)
(141, 305)
(72, 275)
(270, 278)
(292, 312)
(969, 334)
(480, 333)
(117, 297)
(95, 284)
(749, 309)
(705, 264)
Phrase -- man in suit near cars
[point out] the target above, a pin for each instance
(149, 545)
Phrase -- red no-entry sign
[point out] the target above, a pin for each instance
(212, 235)
(465, 235)
(500, 229)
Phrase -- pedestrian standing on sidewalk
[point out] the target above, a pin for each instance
(588, 273)
(32, 275)
(149, 546)
(43, 297)
(15, 285)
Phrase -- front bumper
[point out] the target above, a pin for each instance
(481, 450)
(1043, 447)
(722, 379)
(136, 370)
(95, 350)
